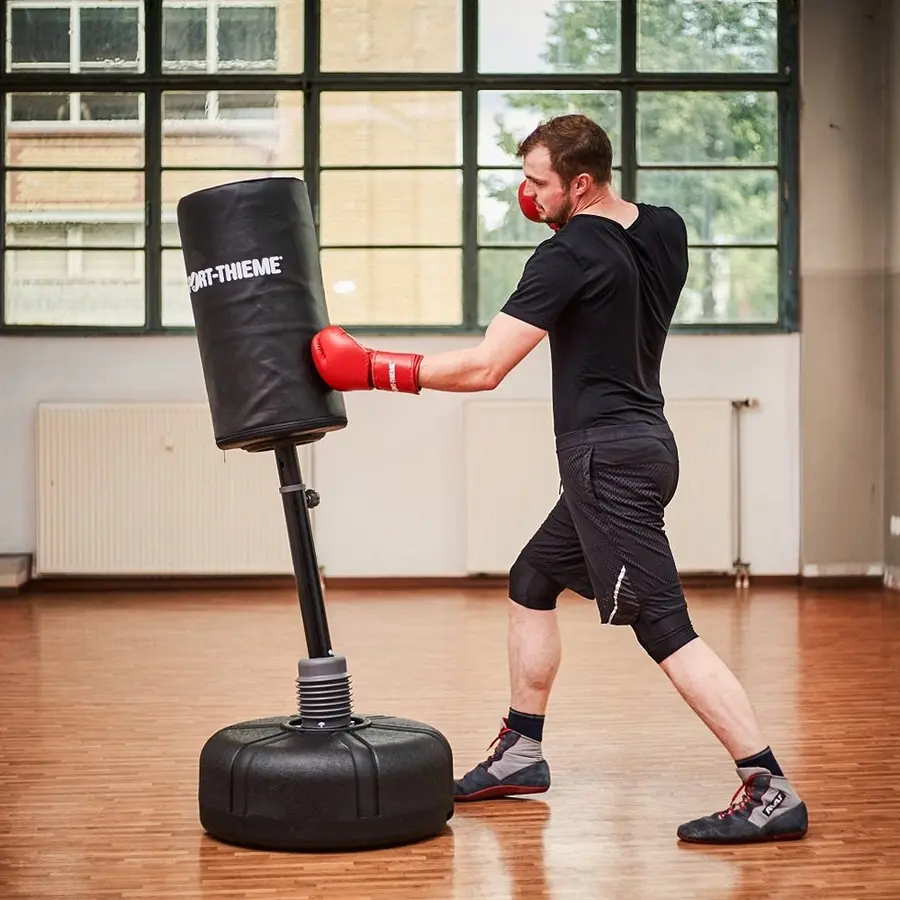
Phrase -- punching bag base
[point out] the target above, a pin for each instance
(306, 432)
(270, 784)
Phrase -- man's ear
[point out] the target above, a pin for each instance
(582, 183)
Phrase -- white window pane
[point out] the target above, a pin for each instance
(549, 36)
(176, 299)
(361, 207)
(703, 127)
(730, 285)
(712, 36)
(74, 287)
(391, 128)
(94, 197)
(233, 128)
(391, 36)
(393, 287)
(94, 129)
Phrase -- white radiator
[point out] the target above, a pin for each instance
(512, 481)
(142, 489)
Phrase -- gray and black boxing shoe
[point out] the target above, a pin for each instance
(516, 767)
(769, 809)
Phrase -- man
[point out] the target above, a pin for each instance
(604, 288)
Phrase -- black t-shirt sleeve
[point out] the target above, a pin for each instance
(551, 278)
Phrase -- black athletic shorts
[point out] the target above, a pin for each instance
(605, 537)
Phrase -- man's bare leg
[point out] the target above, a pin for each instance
(517, 765)
(714, 693)
(769, 808)
(535, 651)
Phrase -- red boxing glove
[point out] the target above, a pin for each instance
(346, 365)
(529, 209)
(527, 205)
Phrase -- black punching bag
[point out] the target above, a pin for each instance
(252, 260)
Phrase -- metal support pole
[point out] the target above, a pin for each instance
(297, 500)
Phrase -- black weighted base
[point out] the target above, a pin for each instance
(274, 784)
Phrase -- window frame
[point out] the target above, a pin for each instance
(153, 81)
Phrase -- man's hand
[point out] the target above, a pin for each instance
(345, 365)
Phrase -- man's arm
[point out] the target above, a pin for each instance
(346, 365)
(507, 341)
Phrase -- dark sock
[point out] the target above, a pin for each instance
(529, 724)
(762, 760)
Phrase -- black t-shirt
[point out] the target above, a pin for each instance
(606, 294)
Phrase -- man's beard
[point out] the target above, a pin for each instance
(561, 214)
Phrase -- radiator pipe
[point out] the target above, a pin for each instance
(741, 567)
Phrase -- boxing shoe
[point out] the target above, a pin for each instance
(345, 365)
(516, 767)
(769, 809)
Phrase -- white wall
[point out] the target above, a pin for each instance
(389, 512)
(843, 206)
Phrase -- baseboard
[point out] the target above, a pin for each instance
(843, 570)
(691, 581)
(843, 575)
(140, 583)
(416, 582)
(100, 584)
(695, 580)
(721, 580)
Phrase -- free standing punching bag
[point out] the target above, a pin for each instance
(325, 778)
(255, 281)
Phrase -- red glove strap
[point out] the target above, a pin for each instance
(396, 371)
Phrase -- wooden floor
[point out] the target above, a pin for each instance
(105, 701)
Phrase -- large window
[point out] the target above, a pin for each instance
(403, 117)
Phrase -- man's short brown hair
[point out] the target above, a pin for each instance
(576, 144)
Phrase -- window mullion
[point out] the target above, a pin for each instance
(153, 209)
(312, 105)
(788, 168)
(628, 161)
(469, 126)
(153, 136)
